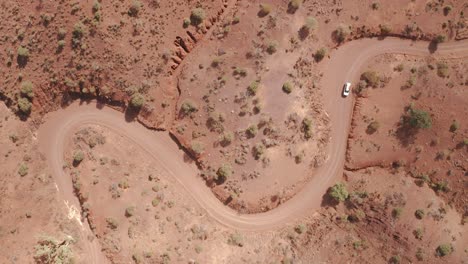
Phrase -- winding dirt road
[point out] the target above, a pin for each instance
(344, 65)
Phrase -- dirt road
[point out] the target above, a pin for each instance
(344, 65)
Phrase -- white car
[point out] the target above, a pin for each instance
(346, 89)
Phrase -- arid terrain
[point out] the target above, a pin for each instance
(216, 131)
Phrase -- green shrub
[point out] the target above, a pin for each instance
(371, 77)
(61, 33)
(134, 8)
(50, 250)
(258, 150)
(253, 88)
(130, 211)
(272, 47)
(23, 170)
(224, 172)
(265, 9)
(60, 45)
(320, 54)
(385, 29)
(226, 138)
(301, 228)
(287, 87)
(447, 9)
(307, 128)
(24, 106)
(78, 156)
(197, 16)
(236, 239)
(311, 23)
(396, 212)
(418, 233)
(419, 119)
(454, 126)
(373, 126)
(186, 23)
(338, 192)
(419, 213)
(394, 260)
(137, 100)
(294, 5)
(442, 69)
(188, 107)
(27, 89)
(444, 250)
(112, 223)
(78, 30)
(439, 39)
(23, 53)
(341, 33)
(197, 147)
(251, 131)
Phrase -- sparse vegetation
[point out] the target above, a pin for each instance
(309, 26)
(418, 233)
(300, 229)
(447, 9)
(394, 260)
(373, 127)
(197, 147)
(130, 211)
(197, 16)
(272, 47)
(112, 223)
(439, 39)
(23, 53)
(258, 150)
(338, 192)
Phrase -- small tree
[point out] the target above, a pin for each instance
(338, 192)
